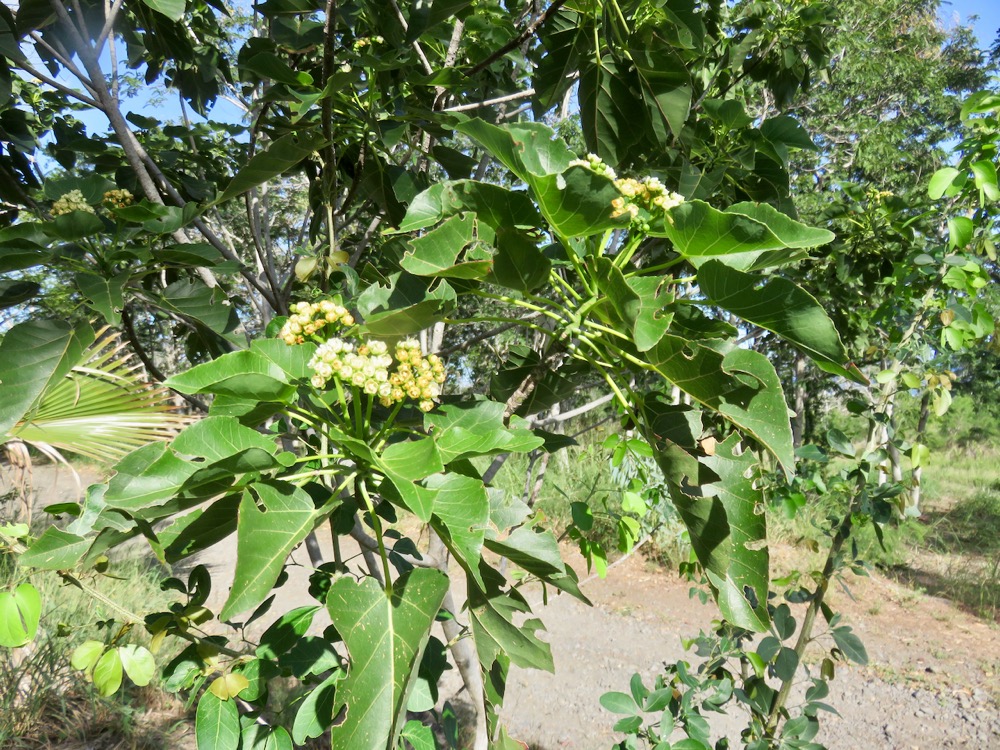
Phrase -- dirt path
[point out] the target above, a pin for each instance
(930, 683)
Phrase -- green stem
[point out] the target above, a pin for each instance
(360, 488)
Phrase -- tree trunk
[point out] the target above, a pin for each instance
(925, 410)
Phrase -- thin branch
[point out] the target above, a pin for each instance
(526, 34)
(527, 93)
(109, 21)
(58, 86)
(428, 68)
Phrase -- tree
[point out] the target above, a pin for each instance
(321, 403)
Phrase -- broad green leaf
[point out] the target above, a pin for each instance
(411, 459)
(20, 611)
(780, 306)
(729, 534)
(574, 200)
(941, 181)
(476, 429)
(14, 292)
(55, 549)
(405, 305)
(738, 236)
(285, 632)
(107, 674)
(277, 159)
(437, 252)
(199, 530)
(172, 9)
(385, 634)
(755, 403)
(462, 507)
(315, 713)
(33, 356)
(419, 736)
(519, 262)
(256, 736)
(245, 374)
(195, 300)
(986, 178)
(104, 294)
(493, 205)
(138, 663)
(264, 538)
(620, 703)
(609, 109)
(652, 318)
(666, 88)
(216, 723)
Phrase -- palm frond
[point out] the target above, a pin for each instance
(102, 409)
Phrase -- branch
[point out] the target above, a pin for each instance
(428, 68)
(58, 86)
(527, 93)
(526, 34)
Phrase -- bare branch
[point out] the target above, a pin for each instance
(526, 34)
(527, 93)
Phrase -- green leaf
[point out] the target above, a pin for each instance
(107, 674)
(492, 615)
(738, 236)
(138, 663)
(285, 632)
(217, 723)
(437, 252)
(14, 292)
(493, 205)
(666, 88)
(85, 655)
(986, 178)
(573, 199)
(277, 159)
(840, 442)
(315, 713)
(941, 181)
(850, 645)
(244, 374)
(720, 382)
(20, 611)
(519, 262)
(729, 534)
(33, 356)
(264, 538)
(537, 551)
(55, 549)
(385, 634)
(195, 300)
(103, 294)
(405, 305)
(172, 9)
(468, 430)
(779, 306)
(419, 736)
(462, 507)
(620, 703)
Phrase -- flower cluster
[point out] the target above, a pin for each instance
(117, 199)
(595, 164)
(70, 202)
(307, 319)
(648, 193)
(367, 367)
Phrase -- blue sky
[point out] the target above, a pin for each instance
(961, 10)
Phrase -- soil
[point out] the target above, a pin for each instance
(933, 678)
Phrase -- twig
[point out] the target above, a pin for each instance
(527, 33)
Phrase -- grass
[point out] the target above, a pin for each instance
(44, 703)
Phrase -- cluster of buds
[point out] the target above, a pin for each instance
(365, 41)
(368, 368)
(308, 319)
(648, 193)
(595, 164)
(70, 202)
(117, 199)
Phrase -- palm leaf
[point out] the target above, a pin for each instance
(102, 409)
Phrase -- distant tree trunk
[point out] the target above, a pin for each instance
(801, 401)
